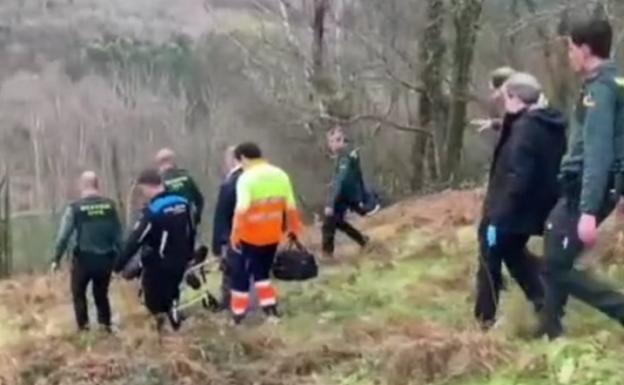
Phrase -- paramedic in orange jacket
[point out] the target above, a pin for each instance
(265, 212)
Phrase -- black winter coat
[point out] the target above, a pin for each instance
(523, 185)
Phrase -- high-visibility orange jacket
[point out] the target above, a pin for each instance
(265, 206)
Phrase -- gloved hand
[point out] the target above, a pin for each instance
(588, 230)
(54, 267)
(329, 211)
(491, 236)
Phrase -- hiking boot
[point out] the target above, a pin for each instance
(237, 320)
(552, 331)
(272, 311)
(106, 328)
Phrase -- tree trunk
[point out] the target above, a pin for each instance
(116, 174)
(35, 134)
(466, 16)
(555, 59)
(418, 157)
(318, 42)
(431, 110)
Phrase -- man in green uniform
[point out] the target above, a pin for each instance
(94, 221)
(179, 182)
(348, 192)
(588, 172)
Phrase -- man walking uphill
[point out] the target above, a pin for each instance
(165, 231)
(265, 211)
(94, 221)
(522, 190)
(347, 193)
(588, 172)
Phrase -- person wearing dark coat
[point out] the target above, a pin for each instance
(523, 188)
(165, 235)
(222, 223)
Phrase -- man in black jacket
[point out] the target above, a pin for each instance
(165, 235)
(222, 222)
(522, 190)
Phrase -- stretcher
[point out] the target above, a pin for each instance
(195, 286)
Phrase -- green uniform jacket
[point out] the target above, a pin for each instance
(95, 223)
(596, 143)
(179, 182)
(346, 185)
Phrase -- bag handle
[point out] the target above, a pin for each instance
(293, 242)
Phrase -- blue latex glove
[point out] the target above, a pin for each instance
(491, 236)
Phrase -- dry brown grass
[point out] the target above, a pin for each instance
(426, 353)
(208, 352)
(416, 352)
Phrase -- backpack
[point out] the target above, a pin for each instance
(295, 263)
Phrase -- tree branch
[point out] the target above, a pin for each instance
(379, 119)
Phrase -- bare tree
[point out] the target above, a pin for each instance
(466, 16)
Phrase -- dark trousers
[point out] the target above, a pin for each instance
(562, 248)
(254, 262)
(81, 276)
(161, 285)
(338, 222)
(523, 266)
(227, 273)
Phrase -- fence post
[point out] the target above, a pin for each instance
(8, 248)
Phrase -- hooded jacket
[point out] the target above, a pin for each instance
(523, 185)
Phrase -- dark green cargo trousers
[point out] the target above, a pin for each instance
(562, 247)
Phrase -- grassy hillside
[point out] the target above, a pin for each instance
(399, 313)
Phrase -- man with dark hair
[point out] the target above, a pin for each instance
(179, 181)
(588, 172)
(347, 192)
(165, 233)
(522, 190)
(95, 222)
(222, 223)
(265, 211)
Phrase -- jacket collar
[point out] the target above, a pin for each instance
(607, 66)
(254, 163)
(234, 170)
